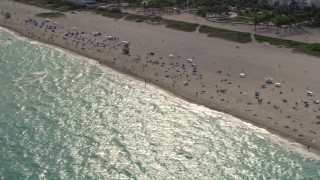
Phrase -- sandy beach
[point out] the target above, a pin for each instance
(159, 55)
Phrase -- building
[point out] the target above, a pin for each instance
(315, 3)
(301, 3)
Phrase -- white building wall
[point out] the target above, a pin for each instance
(307, 2)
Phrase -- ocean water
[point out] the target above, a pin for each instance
(64, 117)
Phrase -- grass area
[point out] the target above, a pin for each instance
(111, 13)
(41, 2)
(178, 25)
(314, 47)
(59, 5)
(312, 24)
(241, 19)
(311, 49)
(182, 26)
(142, 18)
(278, 42)
(240, 37)
(51, 15)
(114, 15)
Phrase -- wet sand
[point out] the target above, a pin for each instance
(216, 84)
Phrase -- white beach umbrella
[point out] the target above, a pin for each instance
(309, 93)
(278, 84)
(96, 33)
(243, 75)
(171, 55)
(74, 28)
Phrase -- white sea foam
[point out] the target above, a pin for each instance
(16, 35)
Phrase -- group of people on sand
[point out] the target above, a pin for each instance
(73, 37)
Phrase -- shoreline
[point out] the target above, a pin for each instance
(314, 154)
(166, 84)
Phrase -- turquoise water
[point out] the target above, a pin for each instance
(64, 117)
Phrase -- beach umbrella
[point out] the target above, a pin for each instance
(74, 28)
(96, 33)
(55, 22)
(243, 75)
(109, 37)
(194, 70)
(171, 56)
(189, 60)
(278, 84)
(269, 80)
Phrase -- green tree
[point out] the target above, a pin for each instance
(317, 18)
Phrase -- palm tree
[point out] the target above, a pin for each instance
(278, 22)
(256, 22)
(317, 18)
